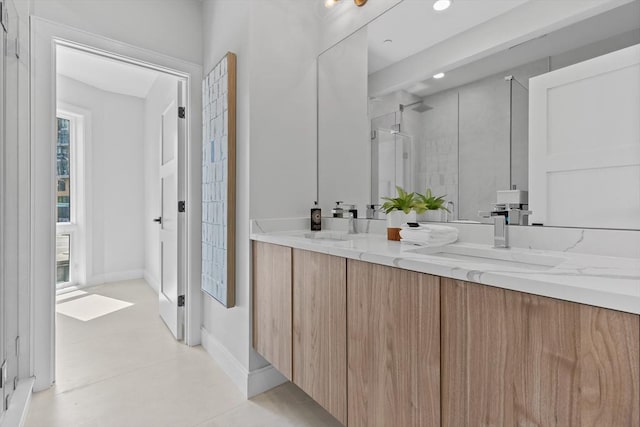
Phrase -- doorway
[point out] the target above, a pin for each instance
(120, 175)
(46, 36)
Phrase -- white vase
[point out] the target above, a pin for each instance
(396, 219)
(431, 216)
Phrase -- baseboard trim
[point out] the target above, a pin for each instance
(18, 410)
(263, 379)
(250, 383)
(152, 281)
(119, 276)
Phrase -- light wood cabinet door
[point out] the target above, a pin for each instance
(320, 329)
(272, 333)
(515, 359)
(393, 326)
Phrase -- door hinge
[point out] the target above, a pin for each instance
(181, 206)
(180, 300)
(18, 346)
(3, 374)
(182, 112)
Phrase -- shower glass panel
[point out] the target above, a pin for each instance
(392, 158)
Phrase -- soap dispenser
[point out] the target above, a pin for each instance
(316, 217)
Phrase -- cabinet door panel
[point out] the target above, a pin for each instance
(393, 324)
(320, 329)
(609, 363)
(511, 358)
(272, 305)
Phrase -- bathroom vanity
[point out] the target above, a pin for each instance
(382, 333)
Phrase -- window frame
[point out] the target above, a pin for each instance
(75, 227)
(73, 154)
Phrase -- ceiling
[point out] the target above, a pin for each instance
(104, 73)
(414, 26)
(621, 20)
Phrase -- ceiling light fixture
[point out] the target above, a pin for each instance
(438, 76)
(331, 3)
(441, 5)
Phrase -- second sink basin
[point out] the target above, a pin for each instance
(498, 257)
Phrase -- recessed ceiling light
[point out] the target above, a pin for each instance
(441, 5)
(438, 76)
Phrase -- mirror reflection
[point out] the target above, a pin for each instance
(425, 100)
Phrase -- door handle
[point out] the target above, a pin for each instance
(158, 220)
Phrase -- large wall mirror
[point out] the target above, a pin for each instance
(442, 100)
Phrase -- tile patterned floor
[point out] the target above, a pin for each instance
(124, 369)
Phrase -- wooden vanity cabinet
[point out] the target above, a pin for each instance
(515, 359)
(393, 325)
(382, 346)
(272, 305)
(320, 329)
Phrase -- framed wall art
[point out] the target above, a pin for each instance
(218, 181)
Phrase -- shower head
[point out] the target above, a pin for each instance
(422, 107)
(418, 106)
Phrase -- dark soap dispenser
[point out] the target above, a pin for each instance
(316, 217)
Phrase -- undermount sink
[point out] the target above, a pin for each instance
(329, 236)
(497, 257)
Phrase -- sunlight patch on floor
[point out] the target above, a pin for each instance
(90, 307)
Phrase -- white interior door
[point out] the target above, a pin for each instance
(9, 215)
(584, 143)
(171, 295)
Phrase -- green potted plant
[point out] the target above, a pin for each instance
(433, 205)
(400, 210)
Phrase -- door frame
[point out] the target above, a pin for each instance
(45, 36)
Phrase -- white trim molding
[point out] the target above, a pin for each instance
(16, 415)
(45, 36)
(250, 383)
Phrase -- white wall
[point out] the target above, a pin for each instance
(344, 146)
(276, 44)
(172, 27)
(226, 332)
(115, 190)
(161, 93)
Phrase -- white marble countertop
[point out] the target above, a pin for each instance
(603, 281)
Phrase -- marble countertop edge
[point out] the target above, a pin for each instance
(606, 282)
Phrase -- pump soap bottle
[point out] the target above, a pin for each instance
(316, 217)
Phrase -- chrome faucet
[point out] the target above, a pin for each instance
(500, 227)
(345, 210)
(353, 229)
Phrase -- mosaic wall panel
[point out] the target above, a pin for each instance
(218, 181)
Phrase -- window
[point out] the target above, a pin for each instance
(66, 234)
(63, 249)
(63, 163)
(70, 188)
